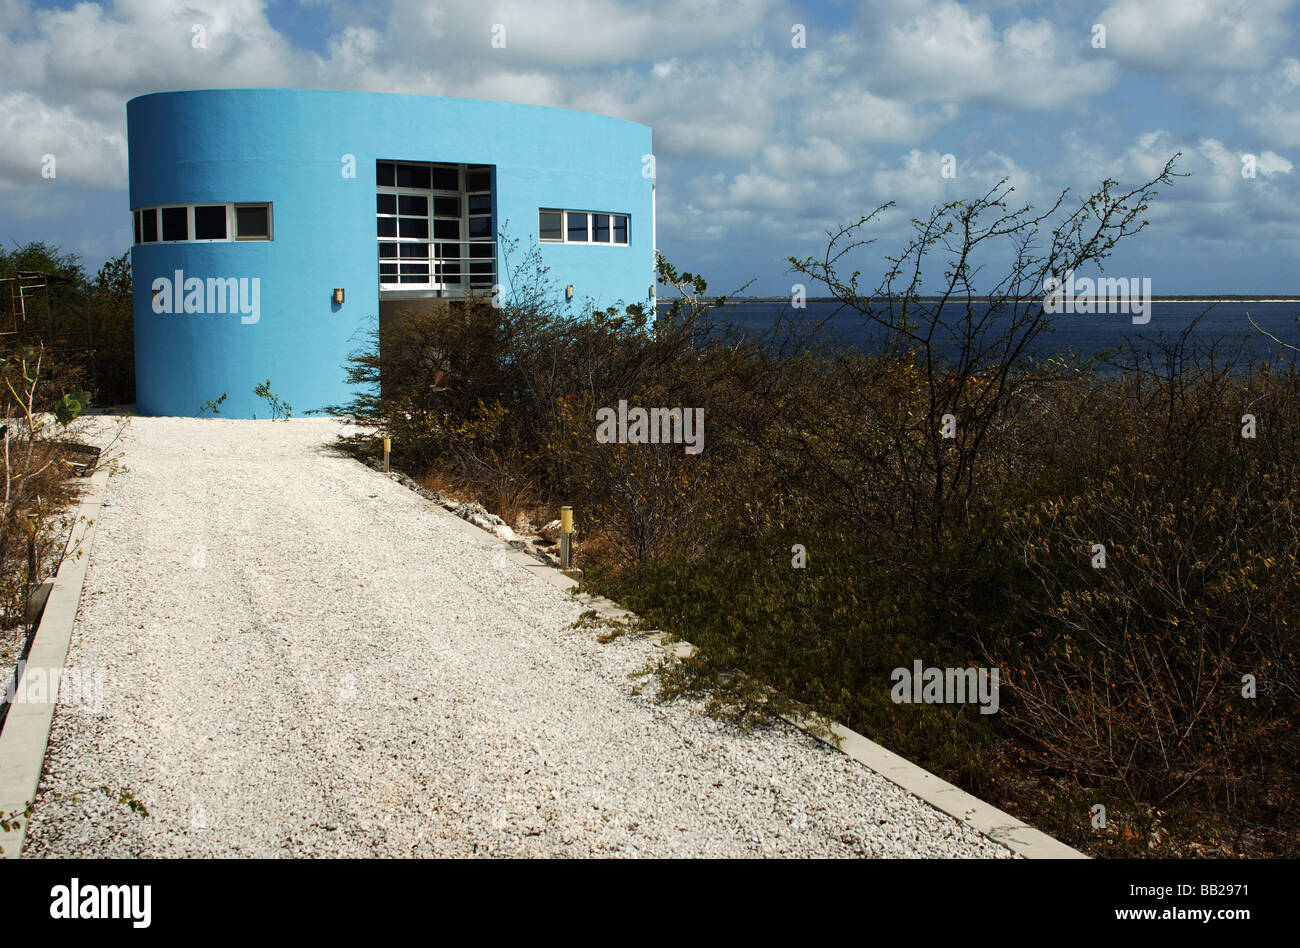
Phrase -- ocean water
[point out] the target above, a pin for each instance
(1221, 322)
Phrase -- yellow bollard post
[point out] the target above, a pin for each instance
(566, 539)
(387, 447)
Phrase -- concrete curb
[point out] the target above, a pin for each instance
(1017, 835)
(27, 728)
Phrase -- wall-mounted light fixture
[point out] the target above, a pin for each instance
(568, 292)
(338, 295)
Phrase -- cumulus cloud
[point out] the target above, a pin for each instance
(1196, 35)
(951, 52)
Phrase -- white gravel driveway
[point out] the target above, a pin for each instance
(303, 658)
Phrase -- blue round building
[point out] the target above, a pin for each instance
(271, 226)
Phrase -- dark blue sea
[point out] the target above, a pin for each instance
(1213, 322)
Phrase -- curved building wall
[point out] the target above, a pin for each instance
(289, 149)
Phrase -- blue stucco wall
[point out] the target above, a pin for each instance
(286, 147)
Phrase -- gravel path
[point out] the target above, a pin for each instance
(303, 658)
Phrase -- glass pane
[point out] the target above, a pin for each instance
(620, 228)
(446, 179)
(550, 225)
(386, 203)
(480, 250)
(414, 227)
(253, 221)
(413, 204)
(450, 273)
(449, 251)
(600, 228)
(478, 180)
(480, 204)
(577, 226)
(480, 227)
(387, 250)
(418, 269)
(413, 176)
(136, 215)
(175, 223)
(210, 222)
(388, 227)
(446, 229)
(415, 250)
(149, 224)
(446, 206)
(384, 174)
(385, 268)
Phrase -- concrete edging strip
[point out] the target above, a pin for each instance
(26, 732)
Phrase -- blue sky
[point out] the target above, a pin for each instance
(760, 146)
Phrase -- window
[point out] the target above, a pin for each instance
(210, 222)
(434, 224)
(581, 227)
(175, 223)
(205, 222)
(252, 222)
(413, 176)
(550, 225)
(576, 226)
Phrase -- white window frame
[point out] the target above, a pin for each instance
(230, 237)
(591, 227)
(465, 277)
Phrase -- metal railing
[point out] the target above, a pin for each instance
(463, 273)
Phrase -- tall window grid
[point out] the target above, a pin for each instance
(434, 225)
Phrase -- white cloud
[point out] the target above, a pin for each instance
(1195, 35)
(87, 152)
(952, 53)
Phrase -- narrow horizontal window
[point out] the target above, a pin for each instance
(581, 227)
